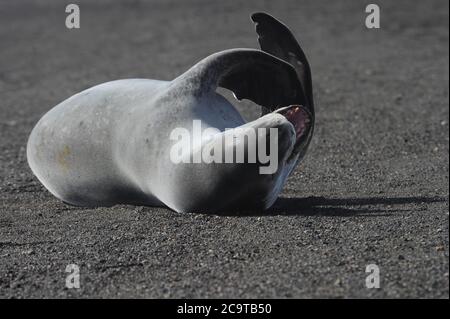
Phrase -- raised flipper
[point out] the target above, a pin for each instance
(249, 74)
(275, 38)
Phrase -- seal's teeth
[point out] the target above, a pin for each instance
(282, 110)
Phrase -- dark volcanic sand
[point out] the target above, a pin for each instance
(373, 188)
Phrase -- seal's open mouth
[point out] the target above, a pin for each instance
(299, 117)
(303, 122)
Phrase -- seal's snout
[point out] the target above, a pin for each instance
(299, 116)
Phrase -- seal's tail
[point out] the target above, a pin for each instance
(275, 38)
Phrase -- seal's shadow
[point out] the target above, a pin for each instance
(309, 206)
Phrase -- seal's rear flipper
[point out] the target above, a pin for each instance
(250, 74)
(275, 38)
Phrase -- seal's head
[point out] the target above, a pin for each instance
(282, 140)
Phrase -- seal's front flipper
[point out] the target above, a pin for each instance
(276, 38)
(249, 74)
